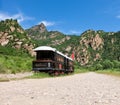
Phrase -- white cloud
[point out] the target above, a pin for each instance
(71, 32)
(118, 16)
(19, 16)
(46, 23)
(75, 32)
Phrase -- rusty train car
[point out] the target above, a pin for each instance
(51, 61)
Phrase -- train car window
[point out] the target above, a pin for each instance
(60, 58)
(45, 55)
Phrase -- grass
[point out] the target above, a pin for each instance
(39, 75)
(114, 72)
(4, 80)
(14, 64)
(81, 70)
(46, 75)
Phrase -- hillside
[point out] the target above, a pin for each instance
(95, 46)
(12, 37)
(15, 48)
(91, 48)
(64, 43)
(41, 36)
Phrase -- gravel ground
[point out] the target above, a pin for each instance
(79, 89)
(15, 76)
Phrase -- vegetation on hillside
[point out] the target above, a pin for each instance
(14, 64)
(14, 48)
(94, 50)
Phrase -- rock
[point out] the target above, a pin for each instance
(12, 28)
(30, 49)
(4, 40)
(97, 56)
(68, 48)
(41, 28)
(20, 30)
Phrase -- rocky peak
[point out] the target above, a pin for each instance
(41, 28)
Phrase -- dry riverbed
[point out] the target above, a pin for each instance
(79, 89)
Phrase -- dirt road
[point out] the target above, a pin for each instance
(78, 89)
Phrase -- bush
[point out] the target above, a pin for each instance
(2, 70)
(76, 65)
(98, 67)
(107, 64)
(116, 64)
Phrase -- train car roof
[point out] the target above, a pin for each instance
(44, 48)
(47, 48)
(69, 58)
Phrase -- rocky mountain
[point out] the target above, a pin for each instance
(89, 47)
(12, 35)
(42, 36)
(95, 46)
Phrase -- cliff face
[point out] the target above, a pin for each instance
(97, 46)
(90, 47)
(13, 35)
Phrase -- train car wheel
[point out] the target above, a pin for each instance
(62, 73)
(56, 73)
(51, 73)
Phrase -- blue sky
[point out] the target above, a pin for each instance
(67, 16)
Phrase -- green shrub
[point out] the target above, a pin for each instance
(116, 64)
(107, 64)
(2, 69)
(98, 66)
